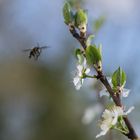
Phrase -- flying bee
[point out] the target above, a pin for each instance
(35, 51)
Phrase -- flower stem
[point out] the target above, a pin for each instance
(90, 76)
(123, 131)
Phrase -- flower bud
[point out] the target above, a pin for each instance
(81, 20)
(94, 57)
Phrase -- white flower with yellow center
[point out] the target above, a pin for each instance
(110, 118)
(123, 91)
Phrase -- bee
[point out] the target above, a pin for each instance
(35, 51)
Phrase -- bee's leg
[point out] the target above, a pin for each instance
(31, 55)
(38, 52)
(37, 55)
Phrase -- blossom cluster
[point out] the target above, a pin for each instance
(111, 117)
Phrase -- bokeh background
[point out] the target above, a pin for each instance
(37, 98)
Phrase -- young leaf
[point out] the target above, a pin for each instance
(118, 78)
(98, 24)
(78, 52)
(67, 13)
(80, 18)
(79, 55)
(100, 49)
(89, 39)
(93, 54)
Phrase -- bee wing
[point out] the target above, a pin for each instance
(26, 50)
(44, 47)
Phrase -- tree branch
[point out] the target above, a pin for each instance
(82, 40)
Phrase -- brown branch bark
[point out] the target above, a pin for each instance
(82, 40)
(132, 134)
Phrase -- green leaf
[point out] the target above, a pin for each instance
(118, 78)
(78, 52)
(100, 49)
(80, 18)
(89, 39)
(79, 55)
(67, 13)
(93, 54)
(98, 23)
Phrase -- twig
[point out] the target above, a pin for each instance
(117, 100)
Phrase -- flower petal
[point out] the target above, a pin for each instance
(109, 80)
(79, 68)
(78, 86)
(103, 93)
(125, 92)
(76, 80)
(84, 62)
(115, 119)
(102, 133)
(87, 71)
(129, 110)
(90, 113)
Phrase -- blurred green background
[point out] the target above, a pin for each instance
(37, 98)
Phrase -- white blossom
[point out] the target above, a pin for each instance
(80, 72)
(110, 118)
(123, 91)
(90, 113)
